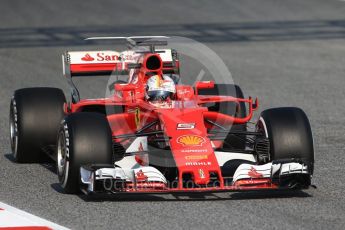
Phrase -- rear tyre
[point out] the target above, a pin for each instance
(35, 116)
(229, 108)
(289, 132)
(84, 138)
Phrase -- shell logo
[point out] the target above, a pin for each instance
(190, 140)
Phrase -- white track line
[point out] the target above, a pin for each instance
(13, 217)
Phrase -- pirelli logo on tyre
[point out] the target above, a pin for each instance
(190, 140)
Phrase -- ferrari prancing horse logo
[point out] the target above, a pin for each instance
(137, 117)
(201, 173)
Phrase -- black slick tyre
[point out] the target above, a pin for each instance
(35, 116)
(84, 138)
(289, 132)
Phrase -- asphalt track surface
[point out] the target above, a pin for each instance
(287, 53)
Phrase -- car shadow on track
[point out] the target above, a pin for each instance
(196, 197)
(10, 157)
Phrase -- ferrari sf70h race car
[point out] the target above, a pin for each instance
(198, 141)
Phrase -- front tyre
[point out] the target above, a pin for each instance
(84, 138)
(289, 132)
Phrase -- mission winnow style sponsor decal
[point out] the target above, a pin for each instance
(13, 218)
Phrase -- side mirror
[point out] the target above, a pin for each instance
(125, 87)
(204, 85)
(127, 91)
(255, 105)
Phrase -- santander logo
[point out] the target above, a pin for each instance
(87, 57)
(101, 57)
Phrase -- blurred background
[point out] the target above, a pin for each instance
(286, 53)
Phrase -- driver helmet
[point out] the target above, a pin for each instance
(160, 88)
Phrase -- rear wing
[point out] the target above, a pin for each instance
(79, 63)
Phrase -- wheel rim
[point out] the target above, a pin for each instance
(13, 131)
(262, 128)
(61, 154)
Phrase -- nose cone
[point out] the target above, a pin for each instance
(201, 176)
(191, 148)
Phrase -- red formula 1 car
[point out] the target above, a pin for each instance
(199, 141)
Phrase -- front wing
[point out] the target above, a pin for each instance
(109, 179)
